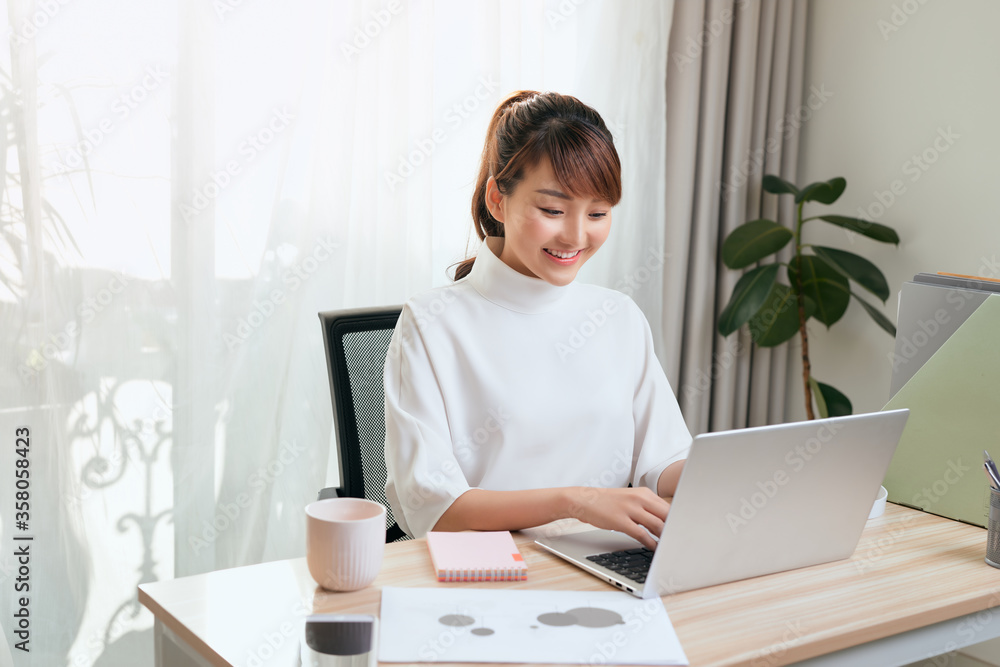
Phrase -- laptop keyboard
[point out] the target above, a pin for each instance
(630, 563)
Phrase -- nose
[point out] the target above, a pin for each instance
(574, 231)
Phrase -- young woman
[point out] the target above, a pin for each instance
(516, 396)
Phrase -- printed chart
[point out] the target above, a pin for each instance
(489, 625)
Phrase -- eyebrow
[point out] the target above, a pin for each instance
(554, 193)
(563, 195)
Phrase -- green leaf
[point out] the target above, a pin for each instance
(835, 403)
(857, 268)
(826, 286)
(748, 296)
(778, 186)
(823, 192)
(872, 230)
(818, 398)
(778, 319)
(752, 241)
(877, 315)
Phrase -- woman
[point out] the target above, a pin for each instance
(515, 396)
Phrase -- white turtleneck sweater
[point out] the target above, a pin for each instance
(502, 381)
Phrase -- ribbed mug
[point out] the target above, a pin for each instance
(345, 540)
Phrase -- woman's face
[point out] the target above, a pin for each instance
(549, 232)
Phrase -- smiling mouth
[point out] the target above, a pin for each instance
(562, 255)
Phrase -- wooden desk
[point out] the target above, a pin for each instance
(916, 586)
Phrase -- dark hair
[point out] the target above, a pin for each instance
(528, 126)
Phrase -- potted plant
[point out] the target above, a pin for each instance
(820, 282)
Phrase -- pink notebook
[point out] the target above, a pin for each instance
(476, 556)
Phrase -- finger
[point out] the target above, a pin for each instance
(651, 522)
(657, 506)
(636, 531)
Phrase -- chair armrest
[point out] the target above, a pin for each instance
(330, 492)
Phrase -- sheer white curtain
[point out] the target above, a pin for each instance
(186, 185)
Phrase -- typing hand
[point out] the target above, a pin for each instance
(629, 511)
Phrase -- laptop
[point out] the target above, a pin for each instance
(750, 502)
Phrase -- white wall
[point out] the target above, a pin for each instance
(895, 92)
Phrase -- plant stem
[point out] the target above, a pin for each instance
(800, 298)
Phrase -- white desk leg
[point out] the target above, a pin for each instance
(172, 651)
(157, 643)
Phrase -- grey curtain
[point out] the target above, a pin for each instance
(734, 108)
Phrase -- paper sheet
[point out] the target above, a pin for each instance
(491, 625)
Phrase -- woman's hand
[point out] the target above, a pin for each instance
(630, 511)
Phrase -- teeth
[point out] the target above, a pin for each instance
(562, 255)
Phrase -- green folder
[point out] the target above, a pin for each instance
(954, 402)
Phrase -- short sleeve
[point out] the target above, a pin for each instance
(424, 477)
(661, 435)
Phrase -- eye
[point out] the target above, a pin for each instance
(550, 211)
(598, 216)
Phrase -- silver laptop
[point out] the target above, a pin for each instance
(751, 502)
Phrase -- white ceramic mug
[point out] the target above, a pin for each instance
(345, 540)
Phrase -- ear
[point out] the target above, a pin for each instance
(494, 200)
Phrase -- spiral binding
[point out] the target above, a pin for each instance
(484, 574)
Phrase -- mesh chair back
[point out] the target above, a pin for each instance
(356, 345)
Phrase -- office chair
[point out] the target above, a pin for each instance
(356, 343)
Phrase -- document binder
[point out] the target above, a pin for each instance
(951, 383)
